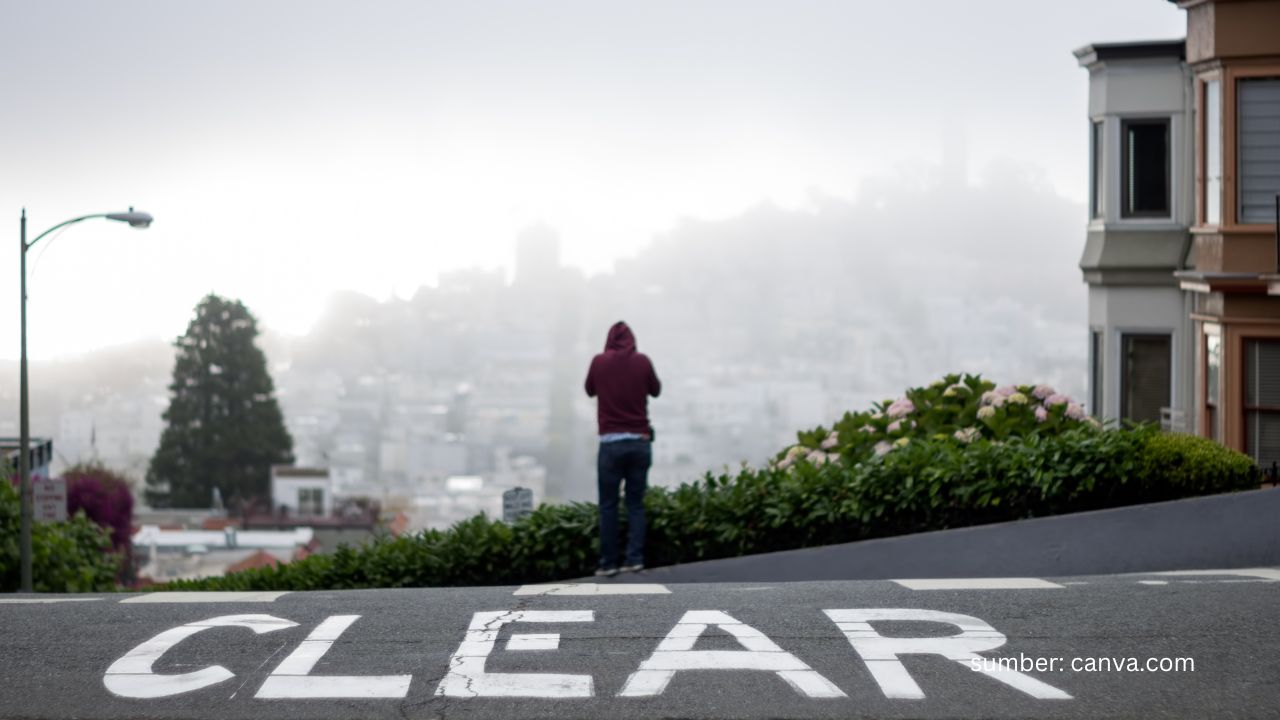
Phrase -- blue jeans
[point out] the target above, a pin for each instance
(618, 461)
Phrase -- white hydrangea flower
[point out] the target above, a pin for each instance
(986, 412)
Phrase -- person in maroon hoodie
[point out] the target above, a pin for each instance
(622, 380)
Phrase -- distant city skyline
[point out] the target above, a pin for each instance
(291, 150)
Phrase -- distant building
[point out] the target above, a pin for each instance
(39, 455)
(301, 492)
(164, 555)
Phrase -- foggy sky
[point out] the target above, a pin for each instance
(291, 149)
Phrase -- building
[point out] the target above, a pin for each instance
(1220, 145)
(39, 455)
(163, 554)
(301, 492)
(1141, 207)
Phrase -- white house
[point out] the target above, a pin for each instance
(301, 492)
(1142, 204)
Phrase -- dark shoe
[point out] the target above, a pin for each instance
(606, 572)
(633, 568)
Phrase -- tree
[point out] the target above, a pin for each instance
(224, 430)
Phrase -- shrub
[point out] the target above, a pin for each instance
(73, 556)
(104, 497)
(1015, 463)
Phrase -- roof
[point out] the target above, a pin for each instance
(260, 558)
(291, 471)
(1140, 50)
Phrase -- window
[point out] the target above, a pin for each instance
(1144, 174)
(310, 501)
(1146, 376)
(1095, 373)
(1212, 153)
(1262, 400)
(1095, 171)
(1259, 149)
(1212, 380)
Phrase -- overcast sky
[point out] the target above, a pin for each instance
(290, 149)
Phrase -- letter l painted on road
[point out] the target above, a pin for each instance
(292, 678)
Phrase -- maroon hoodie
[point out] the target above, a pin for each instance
(622, 378)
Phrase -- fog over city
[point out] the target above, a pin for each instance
(436, 210)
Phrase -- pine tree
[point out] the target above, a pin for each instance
(224, 429)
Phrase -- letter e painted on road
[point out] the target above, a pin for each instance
(881, 653)
(676, 653)
(467, 676)
(131, 676)
(292, 678)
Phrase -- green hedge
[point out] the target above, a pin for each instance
(925, 484)
(73, 556)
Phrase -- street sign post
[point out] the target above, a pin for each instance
(516, 503)
(49, 499)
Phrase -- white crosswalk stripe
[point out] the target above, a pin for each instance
(204, 597)
(594, 589)
(978, 584)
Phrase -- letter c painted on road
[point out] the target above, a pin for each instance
(131, 676)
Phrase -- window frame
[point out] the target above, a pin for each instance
(1123, 369)
(1126, 199)
(1097, 144)
(1245, 406)
(1096, 371)
(1209, 402)
(1237, 81)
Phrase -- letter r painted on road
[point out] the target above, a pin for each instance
(131, 676)
(292, 678)
(676, 653)
(881, 653)
(467, 676)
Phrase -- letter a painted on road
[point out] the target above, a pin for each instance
(881, 653)
(676, 653)
(292, 678)
(131, 676)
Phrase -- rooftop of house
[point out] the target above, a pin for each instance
(1138, 50)
(298, 472)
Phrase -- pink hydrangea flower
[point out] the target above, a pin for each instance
(882, 447)
(893, 426)
(1056, 399)
(1006, 390)
(901, 407)
(1041, 413)
(1075, 411)
(1042, 391)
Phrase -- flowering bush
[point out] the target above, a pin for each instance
(963, 409)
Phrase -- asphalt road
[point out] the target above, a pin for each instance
(793, 650)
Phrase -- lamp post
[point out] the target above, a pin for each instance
(135, 219)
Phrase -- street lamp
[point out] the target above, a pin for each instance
(135, 219)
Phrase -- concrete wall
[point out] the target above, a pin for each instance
(1219, 531)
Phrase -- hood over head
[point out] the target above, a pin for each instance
(620, 338)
